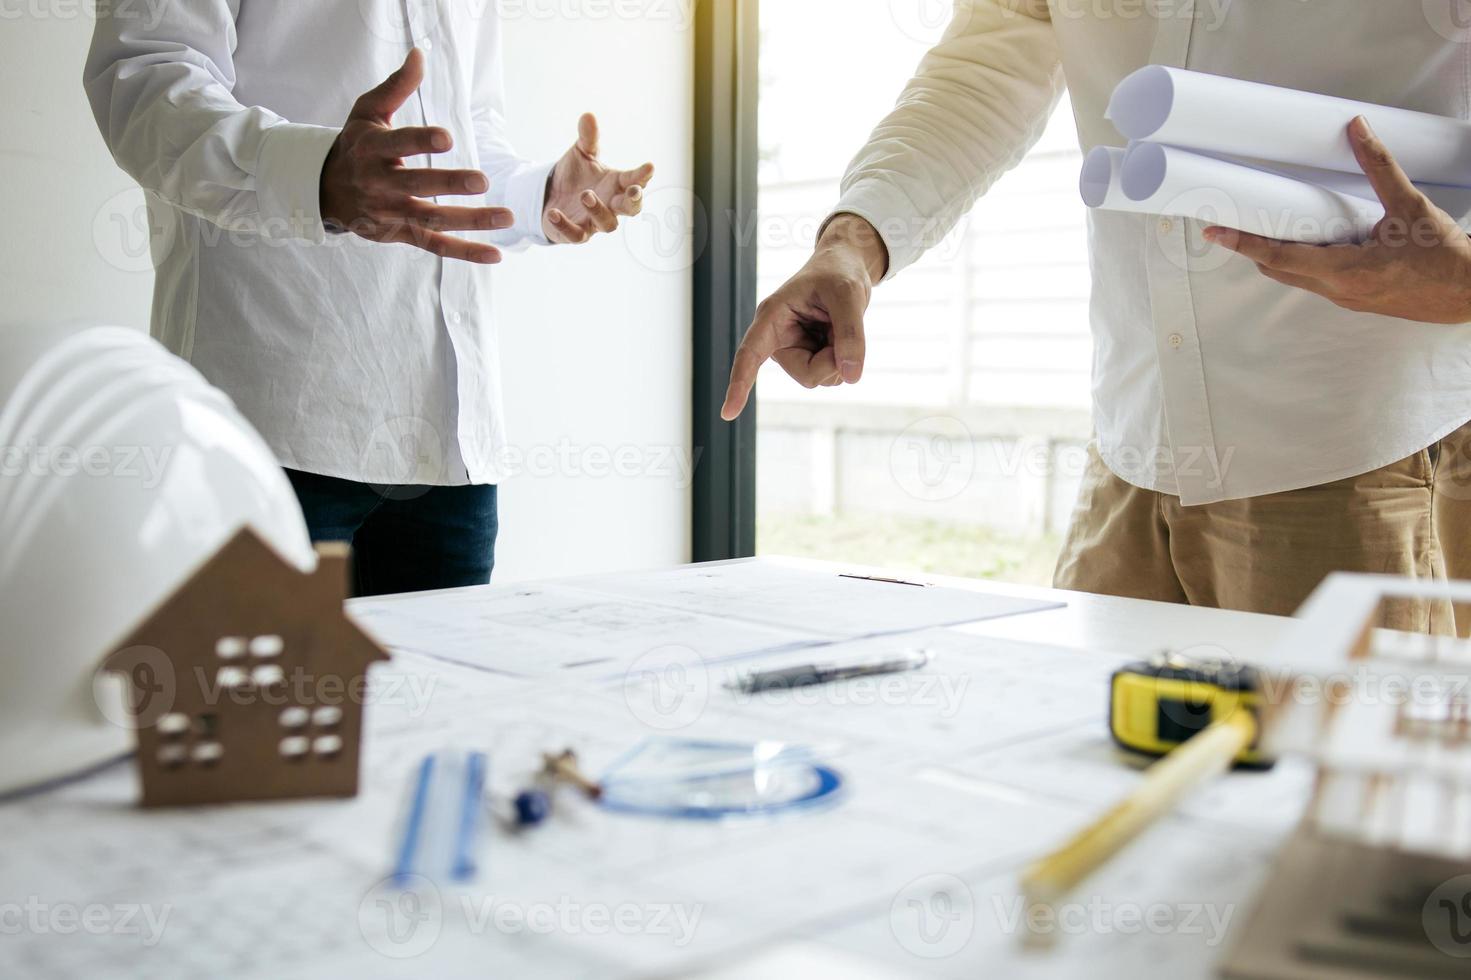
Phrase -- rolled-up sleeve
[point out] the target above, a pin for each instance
(161, 91)
(978, 101)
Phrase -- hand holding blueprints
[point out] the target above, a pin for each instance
(1413, 265)
(1262, 159)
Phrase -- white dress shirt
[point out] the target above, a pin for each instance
(369, 362)
(1210, 381)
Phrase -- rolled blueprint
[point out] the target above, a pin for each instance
(1099, 181)
(1153, 179)
(1455, 201)
(1217, 114)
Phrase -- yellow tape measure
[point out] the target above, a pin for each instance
(1156, 705)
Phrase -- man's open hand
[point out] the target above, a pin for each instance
(1416, 264)
(367, 190)
(813, 325)
(584, 197)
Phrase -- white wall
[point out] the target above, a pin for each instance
(595, 339)
(75, 235)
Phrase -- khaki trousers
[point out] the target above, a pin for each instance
(1267, 554)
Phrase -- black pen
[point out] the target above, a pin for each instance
(810, 674)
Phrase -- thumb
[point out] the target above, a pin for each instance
(379, 104)
(587, 134)
(1400, 197)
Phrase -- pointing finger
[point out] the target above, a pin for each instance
(759, 345)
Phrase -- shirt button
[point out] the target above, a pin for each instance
(1176, 340)
(456, 317)
(427, 44)
(1166, 225)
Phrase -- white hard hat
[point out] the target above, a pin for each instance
(121, 471)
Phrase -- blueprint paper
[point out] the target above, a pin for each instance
(1099, 182)
(1152, 179)
(537, 630)
(1155, 179)
(776, 595)
(1216, 114)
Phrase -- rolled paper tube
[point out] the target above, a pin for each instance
(1099, 181)
(1165, 180)
(1217, 114)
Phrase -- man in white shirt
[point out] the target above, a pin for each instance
(320, 236)
(1260, 422)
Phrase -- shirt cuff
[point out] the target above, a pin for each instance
(526, 195)
(895, 218)
(289, 181)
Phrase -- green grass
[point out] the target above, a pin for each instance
(899, 542)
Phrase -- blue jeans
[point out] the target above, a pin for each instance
(404, 539)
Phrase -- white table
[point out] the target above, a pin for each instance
(912, 876)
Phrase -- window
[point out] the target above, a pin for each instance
(961, 449)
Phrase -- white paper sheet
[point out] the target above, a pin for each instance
(767, 592)
(1156, 179)
(1099, 181)
(540, 630)
(1248, 119)
(294, 889)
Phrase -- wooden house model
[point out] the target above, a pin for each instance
(1376, 880)
(252, 681)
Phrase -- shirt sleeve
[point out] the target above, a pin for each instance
(515, 182)
(978, 101)
(161, 91)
